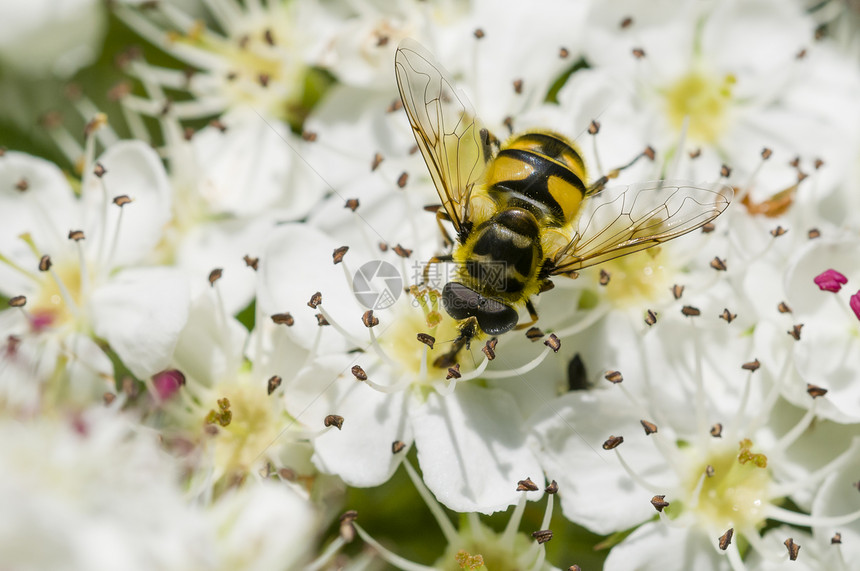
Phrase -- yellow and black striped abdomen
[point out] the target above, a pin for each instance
(541, 172)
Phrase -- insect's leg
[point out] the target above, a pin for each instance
(532, 313)
(600, 183)
(441, 215)
(425, 276)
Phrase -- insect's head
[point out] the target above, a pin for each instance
(494, 317)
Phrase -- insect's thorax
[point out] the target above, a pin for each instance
(533, 189)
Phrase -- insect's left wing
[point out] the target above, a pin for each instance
(455, 145)
(619, 221)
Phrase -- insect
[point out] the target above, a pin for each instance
(522, 209)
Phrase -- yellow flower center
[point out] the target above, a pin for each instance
(702, 99)
(736, 494)
(638, 279)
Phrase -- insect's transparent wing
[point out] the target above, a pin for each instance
(619, 221)
(455, 145)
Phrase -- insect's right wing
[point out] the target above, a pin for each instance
(619, 221)
(455, 145)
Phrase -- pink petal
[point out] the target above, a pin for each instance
(854, 303)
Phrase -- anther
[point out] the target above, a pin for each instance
(188, 133)
(818, 163)
(402, 252)
(574, 568)
(534, 333)
(726, 539)
(813, 233)
(273, 383)
(751, 366)
(708, 228)
(766, 153)
(76, 235)
(650, 318)
(625, 23)
(108, 398)
(396, 105)
(402, 179)
(795, 331)
(347, 530)
(695, 153)
(479, 33)
(718, 264)
(526, 485)
(338, 254)
(815, 391)
(359, 373)
(252, 263)
(793, 548)
(613, 377)
(369, 320)
(563, 53)
(215, 275)
(552, 488)
(795, 162)
(264, 78)
(553, 343)
(397, 446)
(283, 319)
(778, 231)
(122, 200)
(333, 420)
(717, 430)
(315, 301)
(509, 123)
(518, 86)
(725, 171)
(709, 471)
(659, 502)
(690, 311)
(382, 41)
(836, 539)
(99, 170)
(490, 349)
(801, 54)
(542, 536)
(383, 247)
(453, 372)
(97, 122)
(593, 127)
(650, 153)
(638, 53)
(321, 320)
(45, 263)
(783, 307)
(217, 124)
(677, 291)
(268, 37)
(830, 280)
(613, 442)
(18, 301)
(604, 277)
(428, 340)
(650, 427)
(728, 315)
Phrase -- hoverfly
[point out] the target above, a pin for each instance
(524, 205)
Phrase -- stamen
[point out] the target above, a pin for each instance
(330, 551)
(442, 520)
(346, 334)
(514, 523)
(592, 317)
(635, 476)
(796, 432)
(786, 516)
(788, 488)
(519, 371)
(388, 556)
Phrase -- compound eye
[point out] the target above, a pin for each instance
(494, 317)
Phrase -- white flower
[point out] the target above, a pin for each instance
(76, 264)
(461, 433)
(42, 37)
